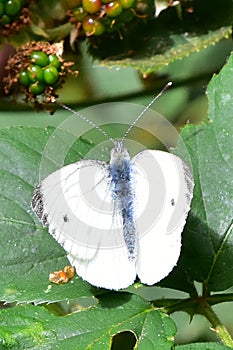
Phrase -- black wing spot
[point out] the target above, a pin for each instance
(65, 218)
(53, 233)
(173, 202)
(44, 219)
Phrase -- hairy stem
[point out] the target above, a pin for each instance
(201, 305)
(207, 311)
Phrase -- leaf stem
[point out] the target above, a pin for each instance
(59, 32)
(201, 305)
(220, 298)
(173, 305)
(207, 311)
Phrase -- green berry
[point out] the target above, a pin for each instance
(37, 88)
(35, 73)
(40, 58)
(126, 4)
(12, 7)
(51, 75)
(126, 16)
(79, 13)
(24, 79)
(93, 26)
(114, 9)
(54, 61)
(106, 1)
(92, 6)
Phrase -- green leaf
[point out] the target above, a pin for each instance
(163, 49)
(33, 327)
(181, 29)
(202, 346)
(28, 253)
(207, 253)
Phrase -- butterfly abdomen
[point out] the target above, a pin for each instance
(129, 232)
(123, 194)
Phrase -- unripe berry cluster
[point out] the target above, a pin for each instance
(42, 72)
(37, 70)
(97, 16)
(13, 15)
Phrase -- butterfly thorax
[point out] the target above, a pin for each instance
(122, 186)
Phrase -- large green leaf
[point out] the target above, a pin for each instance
(27, 252)
(207, 254)
(181, 29)
(34, 327)
(163, 49)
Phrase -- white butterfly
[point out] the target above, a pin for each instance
(119, 220)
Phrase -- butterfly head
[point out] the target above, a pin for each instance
(119, 152)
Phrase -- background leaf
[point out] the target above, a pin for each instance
(35, 328)
(28, 253)
(161, 50)
(207, 253)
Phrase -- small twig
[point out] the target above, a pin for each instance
(217, 326)
(201, 305)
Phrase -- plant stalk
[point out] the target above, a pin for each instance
(223, 334)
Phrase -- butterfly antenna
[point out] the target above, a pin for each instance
(145, 109)
(86, 120)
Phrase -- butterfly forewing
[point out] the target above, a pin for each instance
(162, 219)
(75, 203)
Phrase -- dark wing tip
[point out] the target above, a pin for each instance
(38, 205)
